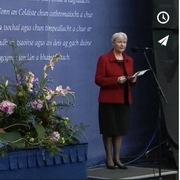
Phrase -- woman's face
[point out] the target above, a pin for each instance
(119, 45)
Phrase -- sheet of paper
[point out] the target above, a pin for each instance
(140, 73)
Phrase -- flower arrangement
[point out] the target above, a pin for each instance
(28, 110)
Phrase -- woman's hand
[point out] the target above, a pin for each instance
(134, 79)
(121, 79)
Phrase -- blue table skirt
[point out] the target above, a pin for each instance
(36, 164)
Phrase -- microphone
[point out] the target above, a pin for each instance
(134, 49)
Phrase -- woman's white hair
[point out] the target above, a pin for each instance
(119, 35)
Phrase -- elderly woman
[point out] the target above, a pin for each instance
(113, 73)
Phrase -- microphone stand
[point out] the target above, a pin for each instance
(160, 94)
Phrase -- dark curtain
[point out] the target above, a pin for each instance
(166, 60)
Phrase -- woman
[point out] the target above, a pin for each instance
(113, 75)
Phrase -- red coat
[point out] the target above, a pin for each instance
(107, 72)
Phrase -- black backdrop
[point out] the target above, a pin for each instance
(166, 58)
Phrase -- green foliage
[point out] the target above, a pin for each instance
(28, 108)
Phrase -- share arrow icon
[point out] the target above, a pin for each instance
(164, 40)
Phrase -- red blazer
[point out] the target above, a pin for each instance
(107, 72)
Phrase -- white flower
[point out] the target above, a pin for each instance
(45, 67)
(55, 136)
(6, 83)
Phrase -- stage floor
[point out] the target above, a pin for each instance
(131, 173)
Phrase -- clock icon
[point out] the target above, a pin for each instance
(163, 17)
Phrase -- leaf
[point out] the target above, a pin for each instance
(13, 139)
(40, 130)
